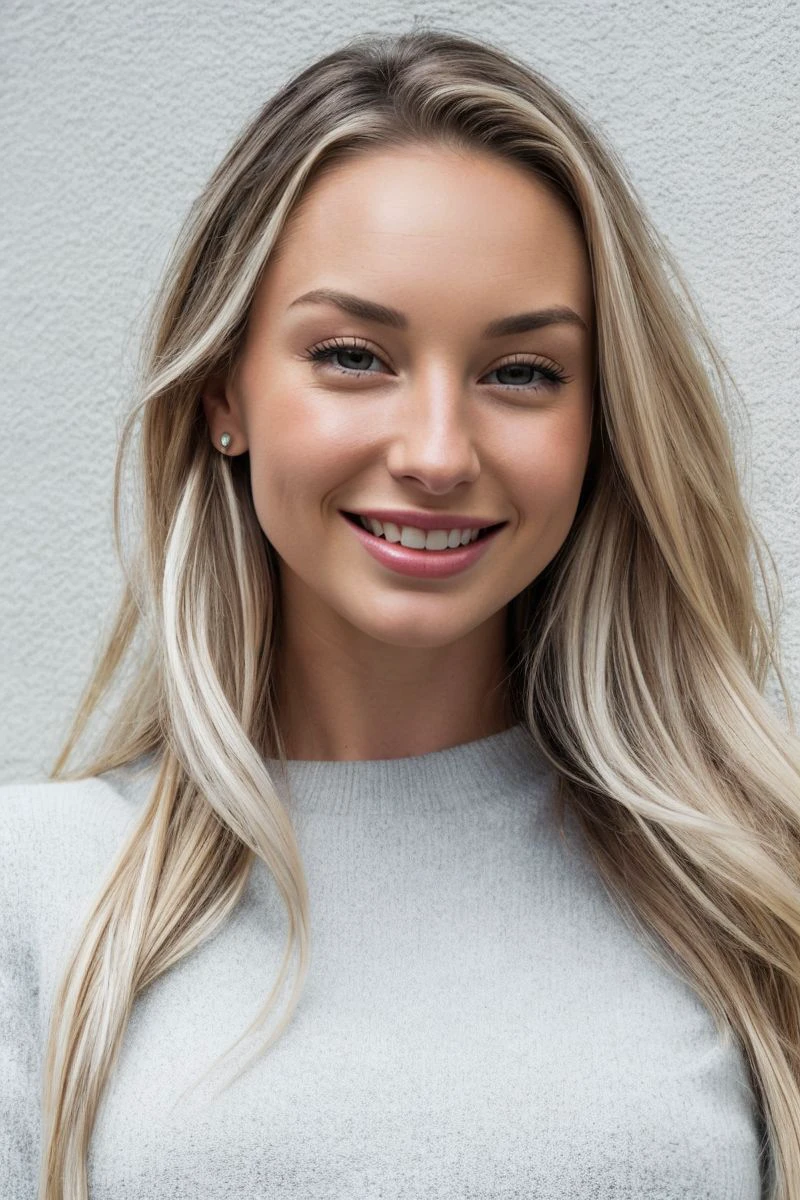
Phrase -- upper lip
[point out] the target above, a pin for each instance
(421, 520)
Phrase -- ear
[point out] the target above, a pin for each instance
(223, 414)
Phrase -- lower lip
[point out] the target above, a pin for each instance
(424, 564)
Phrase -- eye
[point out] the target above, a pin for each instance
(336, 346)
(552, 375)
(326, 352)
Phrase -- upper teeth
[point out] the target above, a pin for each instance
(420, 539)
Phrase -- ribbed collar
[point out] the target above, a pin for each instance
(503, 768)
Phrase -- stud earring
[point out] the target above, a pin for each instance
(225, 440)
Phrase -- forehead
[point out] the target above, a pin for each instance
(421, 220)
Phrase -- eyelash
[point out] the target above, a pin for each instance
(326, 351)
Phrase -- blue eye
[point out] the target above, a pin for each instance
(552, 376)
(329, 351)
(326, 352)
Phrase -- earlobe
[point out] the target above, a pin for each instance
(221, 412)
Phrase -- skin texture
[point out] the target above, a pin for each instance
(374, 664)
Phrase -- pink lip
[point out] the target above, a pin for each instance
(425, 564)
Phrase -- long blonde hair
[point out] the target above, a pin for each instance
(638, 658)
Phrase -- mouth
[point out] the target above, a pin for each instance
(354, 519)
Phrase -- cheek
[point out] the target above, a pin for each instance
(294, 465)
(555, 460)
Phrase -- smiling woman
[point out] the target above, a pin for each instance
(473, 414)
(445, 638)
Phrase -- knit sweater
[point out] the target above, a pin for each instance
(479, 1019)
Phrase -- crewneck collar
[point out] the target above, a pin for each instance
(501, 768)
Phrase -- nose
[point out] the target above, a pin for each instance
(434, 441)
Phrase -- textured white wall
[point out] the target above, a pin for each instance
(113, 114)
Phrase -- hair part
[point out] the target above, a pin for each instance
(638, 658)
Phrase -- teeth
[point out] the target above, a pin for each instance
(420, 539)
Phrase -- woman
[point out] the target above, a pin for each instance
(445, 641)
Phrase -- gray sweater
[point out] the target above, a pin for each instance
(479, 1020)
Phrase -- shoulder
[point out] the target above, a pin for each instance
(37, 814)
(58, 836)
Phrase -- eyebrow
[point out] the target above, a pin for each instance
(368, 310)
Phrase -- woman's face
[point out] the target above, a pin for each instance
(424, 409)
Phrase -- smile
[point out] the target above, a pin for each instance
(420, 539)
(426, 555)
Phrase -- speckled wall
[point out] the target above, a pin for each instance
(113, 114)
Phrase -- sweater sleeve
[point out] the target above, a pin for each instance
(19, 1049)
